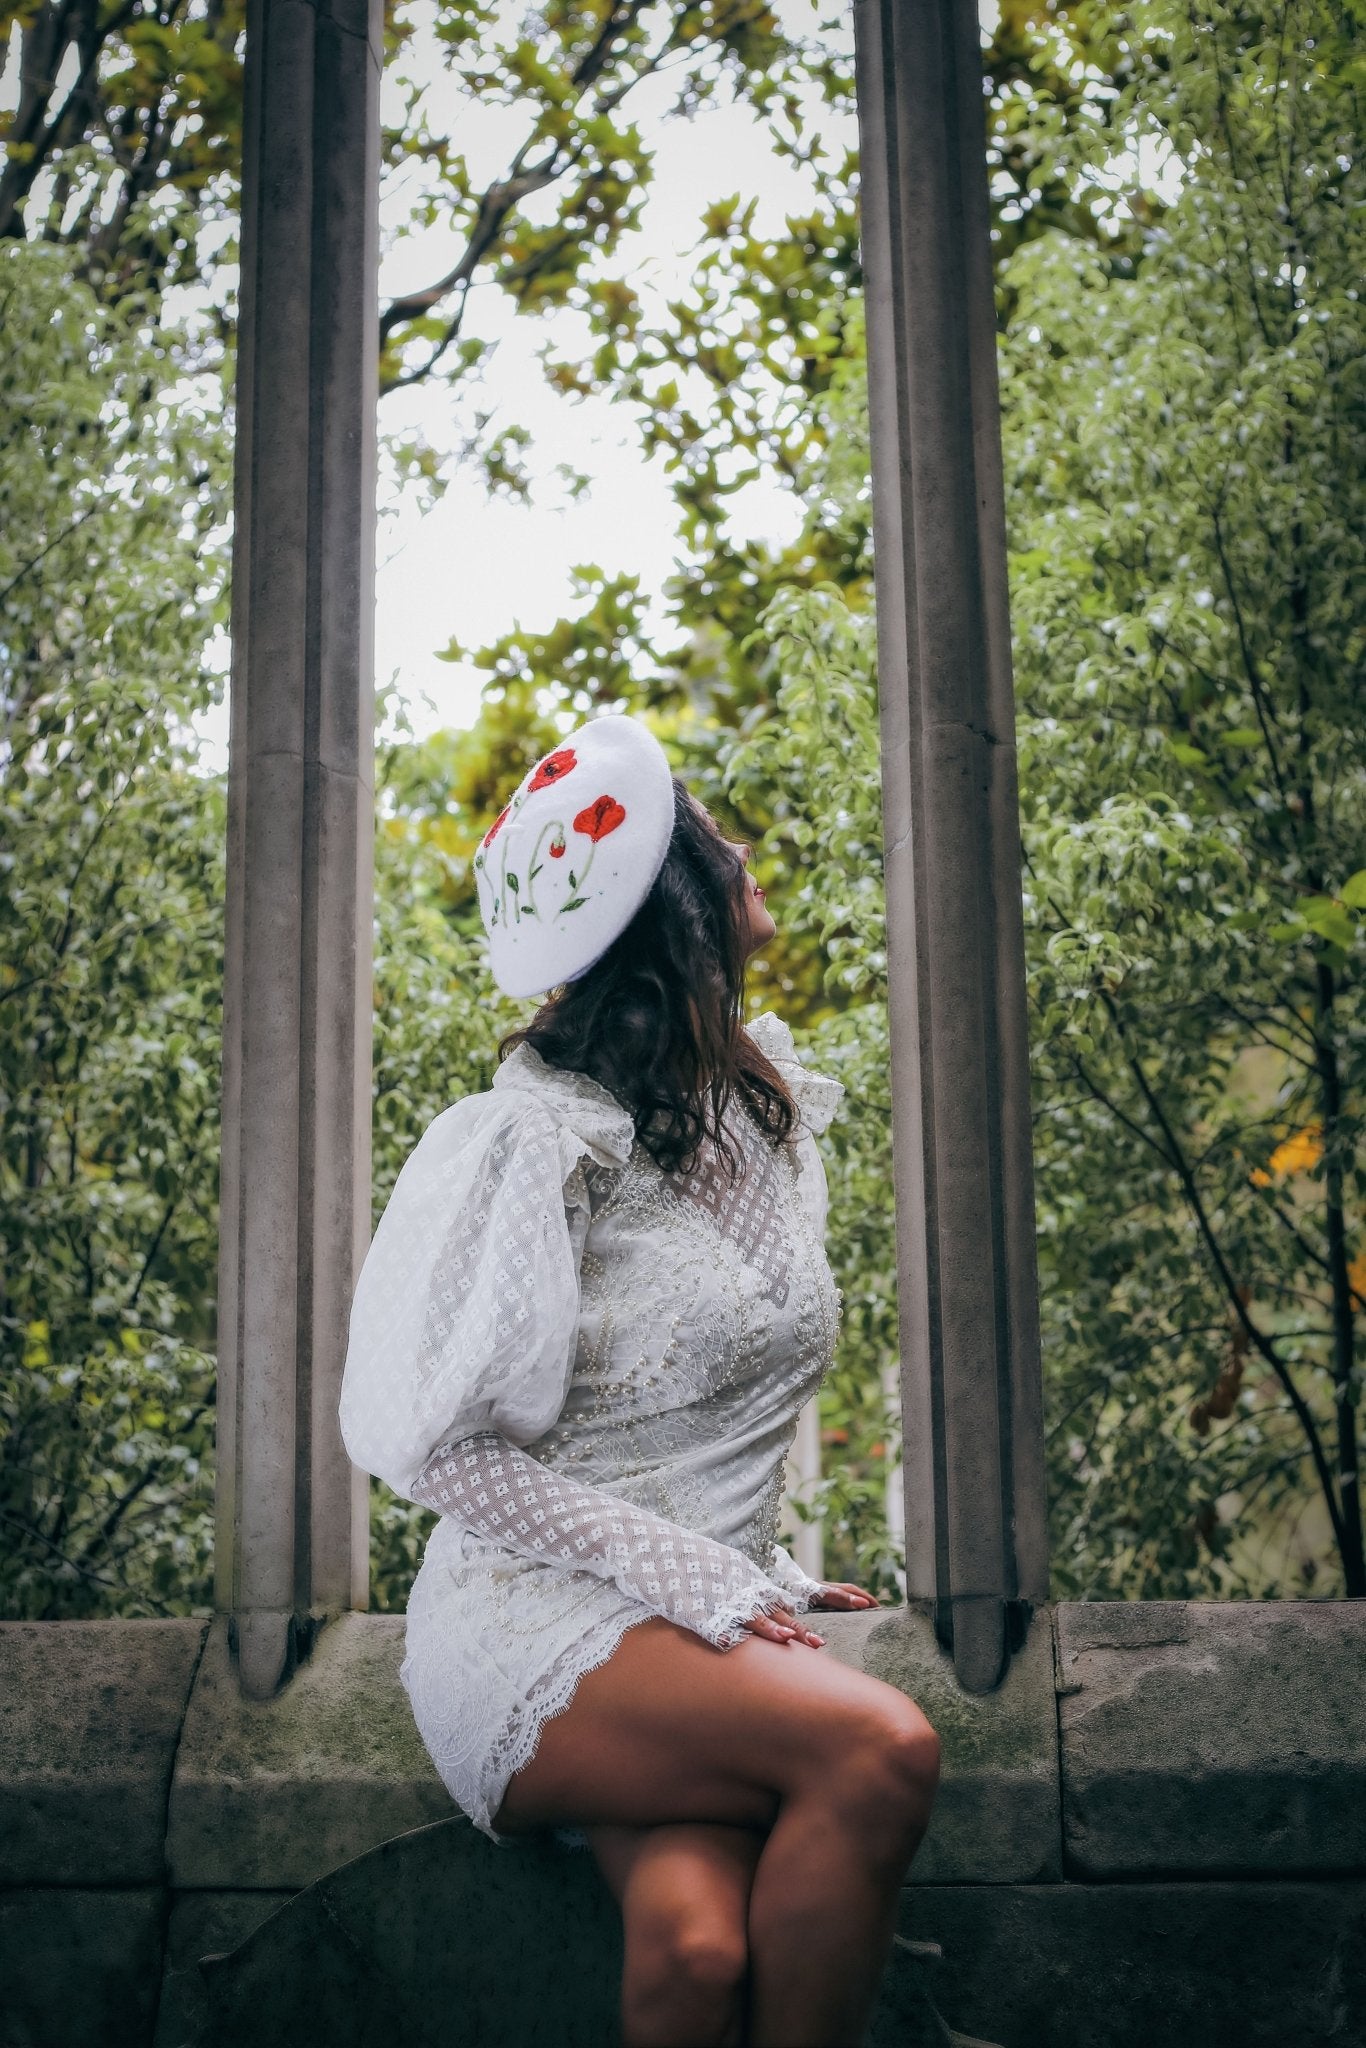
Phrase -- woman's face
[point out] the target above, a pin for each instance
(759, 926)
(759, 922)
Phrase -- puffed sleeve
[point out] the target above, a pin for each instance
(466, 1313)
(817, 1096)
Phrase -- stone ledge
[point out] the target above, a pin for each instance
(1208, 1740)
(271, 1794)
(90, 1713)
(202, 1924)
(1220, 1738)
(276, 1793)
(431, 1930)
(995, 1819)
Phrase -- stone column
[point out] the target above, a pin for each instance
(971, 1389)
(292, 1536)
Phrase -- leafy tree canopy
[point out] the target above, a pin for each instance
(113, 497)
(1183, 452)
(1184, 462)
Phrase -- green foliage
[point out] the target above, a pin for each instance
(134, 166)
(113, 490)
(126, 135)
(1184, 461)
(1187, 452)
(1183, 428)
(820, 750)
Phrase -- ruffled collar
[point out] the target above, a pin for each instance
(588, 1109)
(817, 1096)
(607, 1128)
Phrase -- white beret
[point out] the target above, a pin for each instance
(574, 852)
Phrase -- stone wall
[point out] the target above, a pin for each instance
(1153, 1833)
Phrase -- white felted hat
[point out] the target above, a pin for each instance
(573, 854)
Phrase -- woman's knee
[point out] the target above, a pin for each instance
(690, 1956)
(888, 1761)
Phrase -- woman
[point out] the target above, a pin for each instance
(596, 1303)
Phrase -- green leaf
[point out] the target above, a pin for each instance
(1330, 921)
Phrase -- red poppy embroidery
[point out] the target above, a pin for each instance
(557, 847)
(554, 768)
(493, 828)
(600, 817)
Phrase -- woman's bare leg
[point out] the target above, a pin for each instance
(840, 1767)
(684, 1897)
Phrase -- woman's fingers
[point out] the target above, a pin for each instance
(783, 1627)
(843, 1595)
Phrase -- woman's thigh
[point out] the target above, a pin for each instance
(670, 1729)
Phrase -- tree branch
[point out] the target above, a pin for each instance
(1237, 1305)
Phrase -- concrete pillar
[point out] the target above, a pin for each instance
(292, 1537)
(971, 1390)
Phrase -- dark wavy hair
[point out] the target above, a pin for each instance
(657, 1020)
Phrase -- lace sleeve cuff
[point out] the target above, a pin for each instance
(798, 1586)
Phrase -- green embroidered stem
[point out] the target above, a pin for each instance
(529, 907)
(578, 899)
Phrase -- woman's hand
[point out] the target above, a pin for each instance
(783, 1627)
(843, 1597)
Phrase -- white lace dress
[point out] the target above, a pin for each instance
(593, 1369)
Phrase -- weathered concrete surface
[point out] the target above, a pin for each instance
(435, 1937)
(276, 1793)
(441, 1937)
(1215, 1737)
(202, 1924)
(1177, 1965)
(995, 1818)
(271, 1794)
(90, 1713)
(80, 1969)
(1221, 1734)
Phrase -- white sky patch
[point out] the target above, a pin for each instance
(474, 567)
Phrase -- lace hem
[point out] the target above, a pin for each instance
(521, 1738)
(525, 1734)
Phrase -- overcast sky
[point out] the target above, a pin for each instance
(475, 566)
